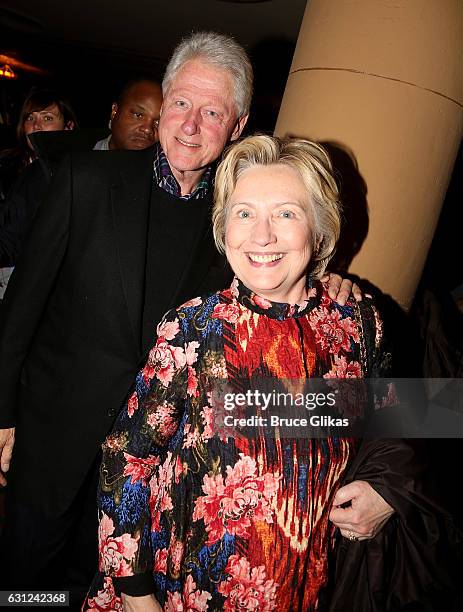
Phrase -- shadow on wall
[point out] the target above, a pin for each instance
(399, 329)
(353, 192)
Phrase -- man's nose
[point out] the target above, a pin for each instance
(191, 123)
(148, 127)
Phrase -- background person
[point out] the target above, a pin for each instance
(134, 117)
(188, 520)
(134, 120)
(42, 110)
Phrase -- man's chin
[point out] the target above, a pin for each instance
(138, 145)
(183, 165)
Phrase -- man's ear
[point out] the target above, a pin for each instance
(239, 127)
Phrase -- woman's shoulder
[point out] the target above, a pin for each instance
(198, 313)
(203, 303)
(364, 315)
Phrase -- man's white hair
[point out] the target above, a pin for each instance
(221, 51)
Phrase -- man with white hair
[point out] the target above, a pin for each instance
(119, 240)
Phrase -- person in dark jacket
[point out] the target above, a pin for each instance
(133, 126)
(112, 247)
(42, 110)
(119, 239)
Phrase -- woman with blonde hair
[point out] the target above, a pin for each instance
(195, 517)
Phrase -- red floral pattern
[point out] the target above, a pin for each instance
(247, 587)
(132, 404)
(160, 499)
(191, 600)
(140, 469)
(333, 332)
(106, 599)
(163, 360)
(262, 302)
(344, 369)
(160, 561)
(163, 420)
(115, 553)
(231, 523)
(168, 329)
(226, 312)
(230, 506)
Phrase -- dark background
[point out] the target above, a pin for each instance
(90, 49)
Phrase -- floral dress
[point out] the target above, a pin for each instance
(227, 523)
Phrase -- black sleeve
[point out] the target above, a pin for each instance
(18, 212)
(136, 586)
(30, 286)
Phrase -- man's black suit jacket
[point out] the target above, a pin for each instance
(77, 318)
(19, 208)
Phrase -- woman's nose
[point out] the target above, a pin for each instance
(263, 232)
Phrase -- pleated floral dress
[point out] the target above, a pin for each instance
(209, 522)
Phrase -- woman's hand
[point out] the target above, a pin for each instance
(366, 514)
(6, 451)
(145, 603)
(340, 289)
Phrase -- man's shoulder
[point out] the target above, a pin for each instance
(110, 159)
(130, 167)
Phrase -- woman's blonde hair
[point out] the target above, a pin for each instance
(314, 167)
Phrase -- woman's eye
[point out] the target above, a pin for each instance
(286, 214)
(49, 118)
(138, 115)
(29, 118)
(244, 214)
(180, 103)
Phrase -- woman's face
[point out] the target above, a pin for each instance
(49, 119)
(269, 232)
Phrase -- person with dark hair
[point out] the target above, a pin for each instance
(42, 110)
(22, 180)
(134, 117)
(133, 124)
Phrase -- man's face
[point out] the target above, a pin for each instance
(134, 119)
(198, 117)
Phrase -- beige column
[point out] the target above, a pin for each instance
(384, 78)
